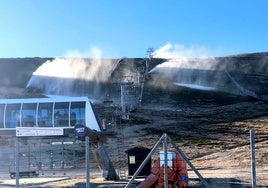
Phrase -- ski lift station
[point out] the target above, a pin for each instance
(44, 128)
(58, 112)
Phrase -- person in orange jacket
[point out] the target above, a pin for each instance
(177, 174)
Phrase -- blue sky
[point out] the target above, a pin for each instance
(127, 28)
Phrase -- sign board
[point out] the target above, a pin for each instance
(132, 160)
(80, 131)
(170, 156)
(38, 131)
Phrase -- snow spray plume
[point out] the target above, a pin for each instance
(171, 51)
(71, 76)
(206, 73)
(184, 70)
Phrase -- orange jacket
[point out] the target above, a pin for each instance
(177, 174)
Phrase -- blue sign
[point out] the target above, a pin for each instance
(80, 130)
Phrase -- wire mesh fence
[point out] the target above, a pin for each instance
(65, 157)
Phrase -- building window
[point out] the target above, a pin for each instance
(61, 114)
(13, 115)
(77, 113)
(28, 115)
(45, 114)
(2, 110)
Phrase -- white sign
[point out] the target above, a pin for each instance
(170, 156)
(38, 131)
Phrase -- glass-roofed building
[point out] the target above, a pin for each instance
(63, 112)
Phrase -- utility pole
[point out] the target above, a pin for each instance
(253, 162)
(17, 163)
(87, 163)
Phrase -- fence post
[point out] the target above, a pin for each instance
(17, 155)
(253, 162)
(87, 163)
(165, 161)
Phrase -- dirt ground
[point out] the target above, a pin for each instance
(214, 177)
(215, 138)
(213, 134)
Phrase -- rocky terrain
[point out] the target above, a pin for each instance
(211, 127)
